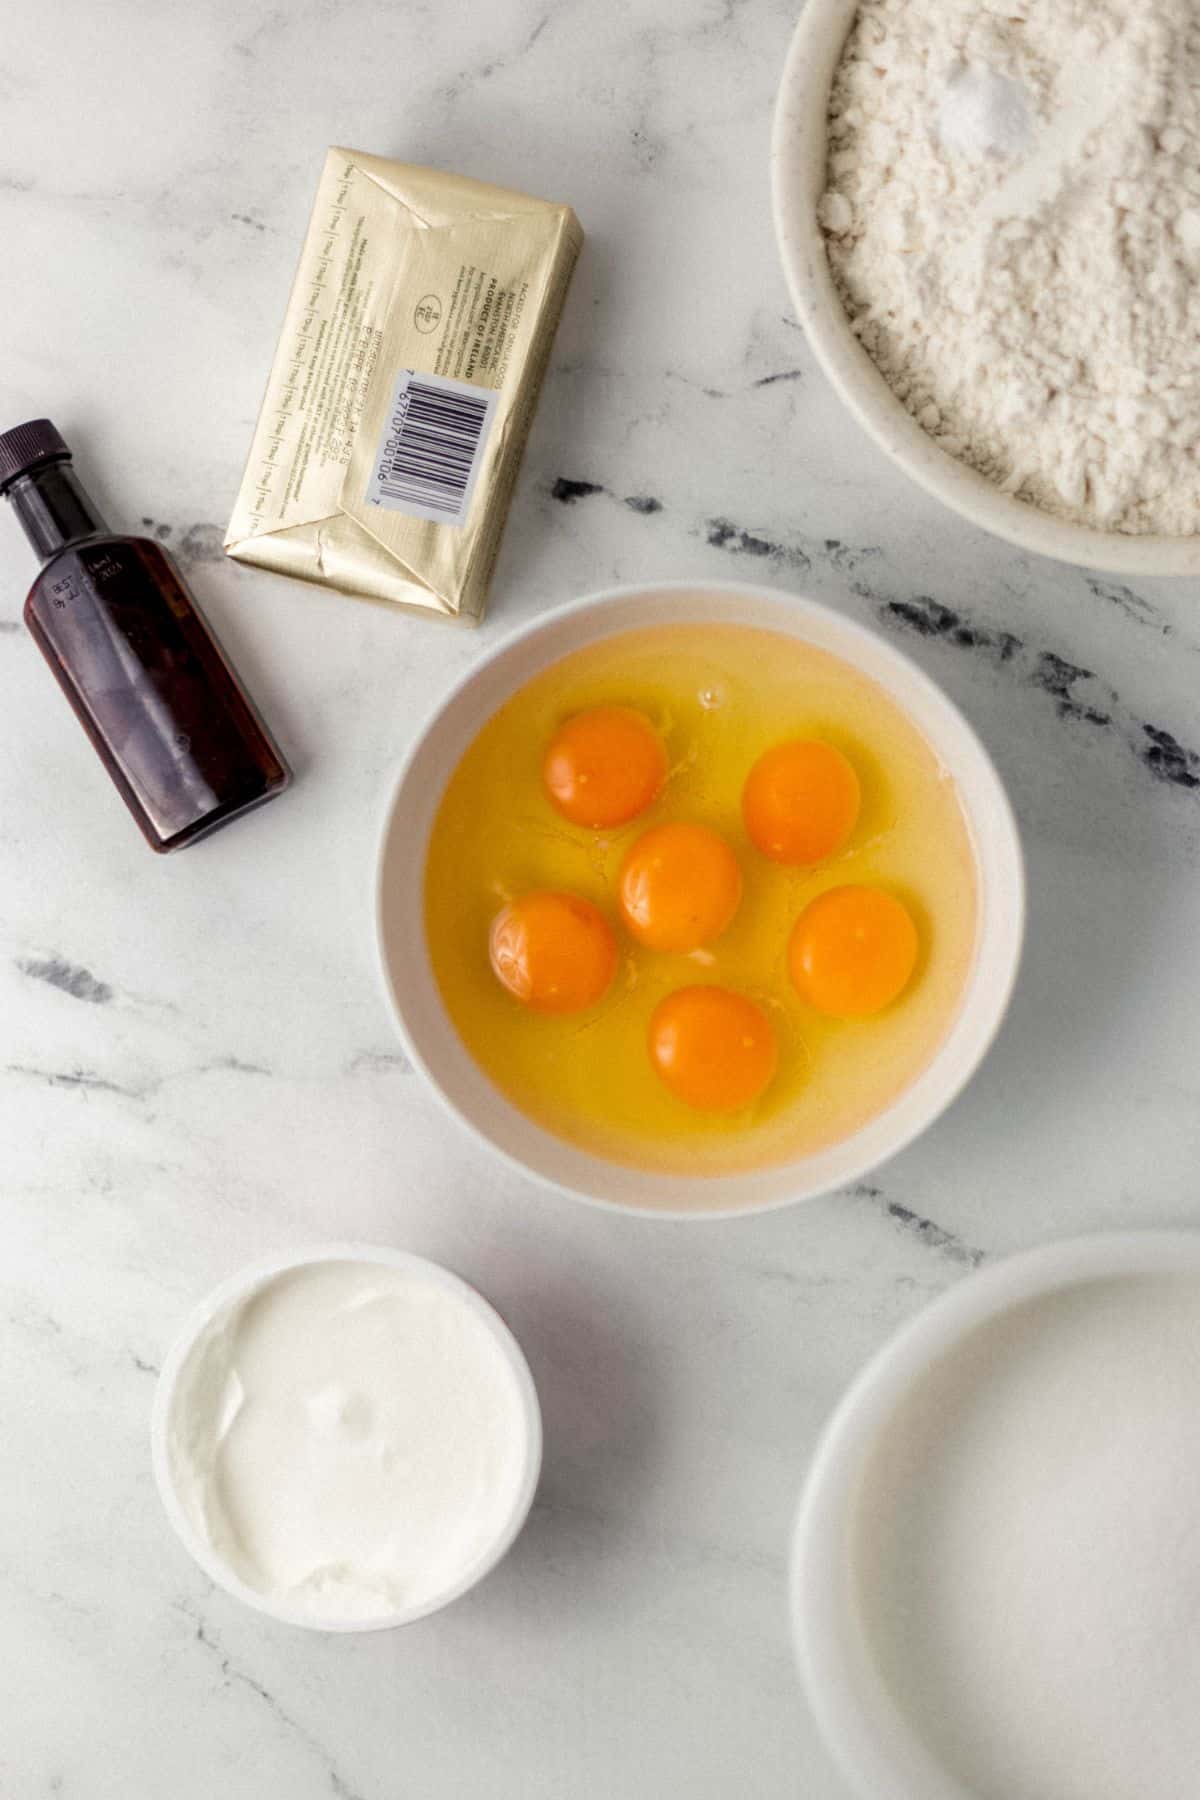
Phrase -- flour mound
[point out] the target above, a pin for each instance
(1012, 218)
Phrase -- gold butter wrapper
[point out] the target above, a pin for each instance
(416, 337)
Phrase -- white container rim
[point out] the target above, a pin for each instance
(238, 1288)
(873, 1743)
(468, 1095)
(798, 159)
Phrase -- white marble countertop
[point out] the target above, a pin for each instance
(197, 1067)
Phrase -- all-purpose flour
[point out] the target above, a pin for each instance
(1013, 220)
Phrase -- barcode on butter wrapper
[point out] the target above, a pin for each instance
(432, 446)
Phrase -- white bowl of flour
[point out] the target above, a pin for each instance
(989, 217)
(996, 1565)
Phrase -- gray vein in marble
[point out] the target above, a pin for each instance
(647, 147)
(88, 1081)
(199, 543)
(1167, 758)
(452, 91)
(926, 1231)
(699, 387)
(234, 1064)
(73, 1349)
(85, 1080)
(268, 27)
(29, 1316)
(53, 1596)
(233, 1673)
(788, 1277)
(844, 559)
(376, 1062)
(9, 625)
(929, 618)
(1079, 694)
(68, 978)
(567, 491)
(570, 368)
(721, 534)
(34, 1319)
(775, 378)
(1132, 605)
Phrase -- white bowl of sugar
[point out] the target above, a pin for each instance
(1098, 440)
(996, 1560)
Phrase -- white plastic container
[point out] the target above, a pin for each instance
(799, 153)
(241, 1288)
(429, 1035)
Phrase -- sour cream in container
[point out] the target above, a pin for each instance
(348, 1438)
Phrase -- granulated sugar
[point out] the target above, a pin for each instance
(1013, 221)
(1028, 1548)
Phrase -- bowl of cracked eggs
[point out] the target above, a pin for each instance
(696, 899)
(989, 218)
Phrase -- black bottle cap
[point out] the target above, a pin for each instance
(25, 446)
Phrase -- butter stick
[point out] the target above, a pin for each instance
(417, 333)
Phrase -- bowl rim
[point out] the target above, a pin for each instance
(869, 1738)
(797, 137)
(786, 602)
(240, 1286)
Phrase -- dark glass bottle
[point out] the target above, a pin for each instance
(147, 679)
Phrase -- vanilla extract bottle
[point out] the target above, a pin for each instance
(127, 644)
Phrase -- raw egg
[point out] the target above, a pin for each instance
(554, 952)
(713, 1048)
(604, 766)
(801, 801)
(853, 951)
(585, 1017)
(679, 888)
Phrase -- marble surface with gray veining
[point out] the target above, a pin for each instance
(196, 1066)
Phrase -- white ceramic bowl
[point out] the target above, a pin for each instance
(238, 1288)
(877, 1749)
(798, 160)
(430, 1037)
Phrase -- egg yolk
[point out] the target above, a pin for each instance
(852, 951)
(679, 887)
(801, 801)
(714, 1049)
(554, 952)
(604, 766)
